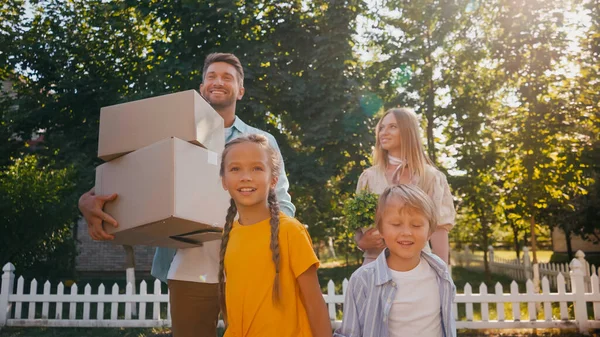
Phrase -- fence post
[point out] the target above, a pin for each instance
(578, 290)
(527, 264)
(8, 280)
(579, 255)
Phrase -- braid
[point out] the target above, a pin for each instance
(274, 209)
(231, 213)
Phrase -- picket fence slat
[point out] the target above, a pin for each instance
(100, 307)
(499, 305)
(484, 306)
(87, 290)
(114, 307)
(19, 305)
(596, 291)
(547, 305)
(516, 306)
(330, 295)
(156, 307)
(564, 313)
(531, 305)
(59, 306)
(73, 304)
(143, 292)
(469, 306)
(32, 292)
(46, 305)
(128, 291)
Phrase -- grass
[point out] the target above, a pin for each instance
(543, 256)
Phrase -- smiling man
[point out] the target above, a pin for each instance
(192, 273)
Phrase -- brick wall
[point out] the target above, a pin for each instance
(97, 256)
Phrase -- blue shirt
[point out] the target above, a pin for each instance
(371, 292)
(164, 256)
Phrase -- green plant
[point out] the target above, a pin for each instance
(359, 211)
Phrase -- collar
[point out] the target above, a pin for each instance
(383, 274)
(239, 124)
(382, 271)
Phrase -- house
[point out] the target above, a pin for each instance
(100, 257)
(559, 243)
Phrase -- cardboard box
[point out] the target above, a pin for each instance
(185, 115)
(166, 189)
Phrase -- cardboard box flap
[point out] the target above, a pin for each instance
(185, 115)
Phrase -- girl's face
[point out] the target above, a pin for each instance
(247, 175)
(405, 232)
(389, 133)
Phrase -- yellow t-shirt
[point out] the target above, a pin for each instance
(250, 273)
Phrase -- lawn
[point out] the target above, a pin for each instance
(543, 256)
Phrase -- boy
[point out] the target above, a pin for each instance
(405, 292)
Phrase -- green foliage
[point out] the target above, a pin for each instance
(68, 59)
(359, 212)
(38, 204)
(517, 134)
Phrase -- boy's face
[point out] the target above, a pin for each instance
(405, 232)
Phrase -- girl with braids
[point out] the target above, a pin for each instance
(267, 257)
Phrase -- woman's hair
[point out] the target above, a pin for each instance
(411, 145)
(411, 198)
(275, 166)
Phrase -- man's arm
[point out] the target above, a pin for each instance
(281, 190)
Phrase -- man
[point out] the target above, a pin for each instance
(192, 273)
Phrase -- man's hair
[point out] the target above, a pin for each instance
(227, 58)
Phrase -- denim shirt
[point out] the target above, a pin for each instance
(371, 292)
(164, 256)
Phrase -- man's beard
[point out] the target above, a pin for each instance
(219, 105)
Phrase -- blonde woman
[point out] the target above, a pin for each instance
(399, 158)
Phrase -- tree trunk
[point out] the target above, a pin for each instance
(533, 240)
(485, 240)
(569, 247)
(430, 101)
(516, 239)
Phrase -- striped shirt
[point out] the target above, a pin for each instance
(371, 292)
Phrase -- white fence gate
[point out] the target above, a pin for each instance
(97, 308)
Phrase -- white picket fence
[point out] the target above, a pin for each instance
(497, 310)
(523, 270)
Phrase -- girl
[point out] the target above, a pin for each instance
(267, 257)
(399, 158)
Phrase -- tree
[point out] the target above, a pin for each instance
(413, 40)
(529, 50)
(301, 80)
(38, 204)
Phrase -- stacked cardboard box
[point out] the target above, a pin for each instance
(163, 157)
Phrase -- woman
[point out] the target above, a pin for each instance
(399, 158)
